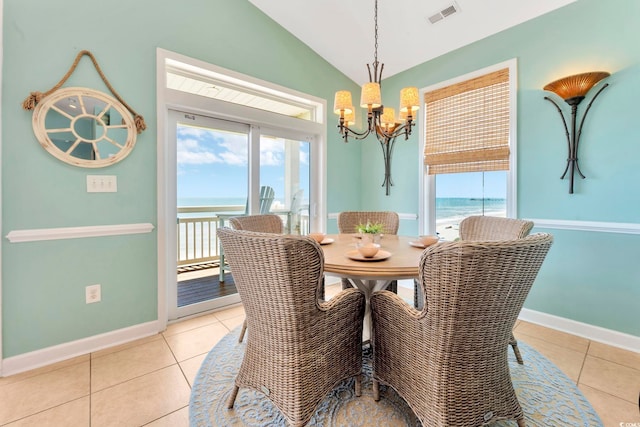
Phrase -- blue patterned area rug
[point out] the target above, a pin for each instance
(547, 396)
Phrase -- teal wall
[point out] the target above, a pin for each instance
(589, 277)
(43, 282)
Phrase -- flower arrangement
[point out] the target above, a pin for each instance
(369, 228)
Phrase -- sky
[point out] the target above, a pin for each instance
(472, 185)
(214, 163)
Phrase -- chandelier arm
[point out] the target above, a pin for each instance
(347, 132)
(405, 128)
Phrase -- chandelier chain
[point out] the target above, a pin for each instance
(375, 19)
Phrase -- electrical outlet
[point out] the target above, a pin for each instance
(93, 294)
(102, 184)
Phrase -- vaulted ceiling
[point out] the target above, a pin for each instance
(410, 32)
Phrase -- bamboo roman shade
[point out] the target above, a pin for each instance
(467, 125)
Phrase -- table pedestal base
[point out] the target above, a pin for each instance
(368, 287)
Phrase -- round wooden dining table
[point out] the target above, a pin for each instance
(401, 264)
(372, 274)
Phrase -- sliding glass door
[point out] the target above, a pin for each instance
(222, 168)
(211, 183)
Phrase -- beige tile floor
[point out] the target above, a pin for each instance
(147, 382)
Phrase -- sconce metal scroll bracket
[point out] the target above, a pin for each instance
(573, 137)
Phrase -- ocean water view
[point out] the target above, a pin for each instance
(448, 209)
(210, 201)
(218, 202)
(453, 209)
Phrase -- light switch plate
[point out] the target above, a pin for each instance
(102, 184)
(93, 293)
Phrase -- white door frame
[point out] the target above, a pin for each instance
(169, 99)
(1, 195)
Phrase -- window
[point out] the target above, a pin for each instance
(469, 148)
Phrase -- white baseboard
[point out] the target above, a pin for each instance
(58, 353)
(591, 332)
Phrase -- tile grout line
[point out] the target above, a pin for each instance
(42, 411)
(584, 360)
(175, 358)
(164, 416)
(622, 365)
(612, 396)
(541, 338)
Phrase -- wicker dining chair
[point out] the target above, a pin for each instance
(487, 228)
(477, 227)
(301, 347)
(448, 360)
(267, 223)
(348, 222)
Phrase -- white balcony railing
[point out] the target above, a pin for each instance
(197, 226)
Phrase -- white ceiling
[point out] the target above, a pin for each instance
(342, 31)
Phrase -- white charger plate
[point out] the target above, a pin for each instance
(357, 256)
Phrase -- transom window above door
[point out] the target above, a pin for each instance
(199, 81)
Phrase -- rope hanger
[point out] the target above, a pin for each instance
(34, 97)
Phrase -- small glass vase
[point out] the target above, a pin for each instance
(370, 238)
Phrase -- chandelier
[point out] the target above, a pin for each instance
(381, 120)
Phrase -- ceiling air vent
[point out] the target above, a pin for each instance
(444, 13)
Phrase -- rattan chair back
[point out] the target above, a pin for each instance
(493, 228)
(300, 346)
(484, 228)
(267, 223)
(349, 220)
(449, 361)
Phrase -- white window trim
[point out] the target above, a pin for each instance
(168, 99)
(1, 61)
(427, 187)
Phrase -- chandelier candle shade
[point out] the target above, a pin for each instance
(572, 90)
(381, 121)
